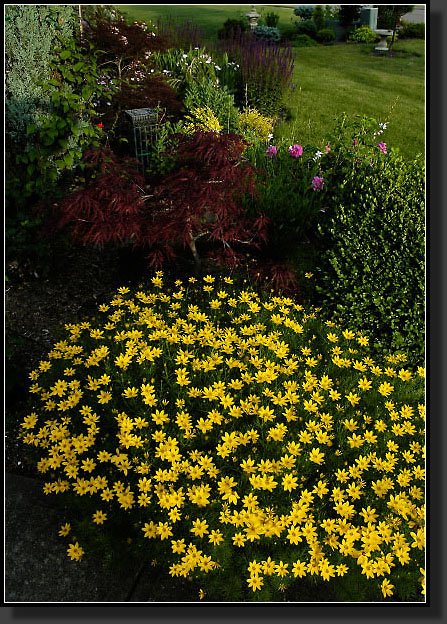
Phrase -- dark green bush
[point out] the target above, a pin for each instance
(271, 19)
(319, 18)
(306, 27)
(372, 265)
(231, 26)
(326, 35)
(303, 41)
(288, 33)
(412, 31)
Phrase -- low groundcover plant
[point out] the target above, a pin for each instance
(251, 443)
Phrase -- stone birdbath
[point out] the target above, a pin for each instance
(383, 34)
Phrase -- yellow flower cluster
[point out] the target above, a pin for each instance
(240, 425)
(203, 118)
(254, 125)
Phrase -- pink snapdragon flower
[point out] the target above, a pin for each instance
(382, 147)
(271, 151)
(317, 183)
(295, 151)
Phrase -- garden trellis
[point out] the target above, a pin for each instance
(144, 125)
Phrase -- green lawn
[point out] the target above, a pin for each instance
(208, 17)
(347, 78)
(333, 79)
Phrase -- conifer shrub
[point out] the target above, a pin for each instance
(242, 441)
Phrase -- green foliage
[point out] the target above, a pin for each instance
(349, 13)
(304, 12)
(363, 34)
(372, 264)
(303, 41)
(271, 19)
(230, 26)
(389, 15)
(31, 34)
(411, 30)
(318, 18)
(162, 160)
(57, 143)
(285, 194)
(307, 27)
(326, 35)
(267, 33)
(205, 93)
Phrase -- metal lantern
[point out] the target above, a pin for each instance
(144, 126)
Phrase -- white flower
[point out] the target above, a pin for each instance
(270, 136)
(382, 125)
(184, 56)
(318, 155)
(217, 67)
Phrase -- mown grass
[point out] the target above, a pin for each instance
(330, 80)
(208, 17)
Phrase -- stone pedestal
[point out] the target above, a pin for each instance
(382, 46)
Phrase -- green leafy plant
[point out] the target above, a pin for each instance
(306, 27)
(303, 41)
(326, 36)
(57, 144)
(205, 93)
(363, 34)
(271, 19)
(319, 18)
(410, 30)
(372, 268)
(304, 12)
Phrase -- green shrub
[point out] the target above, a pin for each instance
(304, 12)
(31, 34)
(318, 18)
(205, 93)
(287, 33)
(231, 26)
(271, 19)
(267, 33)
(372, 268)
(412, 31)
(303, 41)
(306, 27)
(239, 439)
(326, 36)
(363, 34)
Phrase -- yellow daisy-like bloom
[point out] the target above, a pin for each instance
(65, 529)
(99, 517)
(75, 552)
(256, 428)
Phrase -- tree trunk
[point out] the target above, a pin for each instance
(192, 246)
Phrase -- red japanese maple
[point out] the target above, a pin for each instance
(201, 198)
